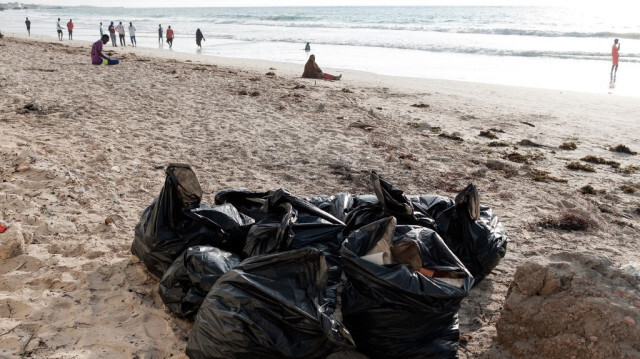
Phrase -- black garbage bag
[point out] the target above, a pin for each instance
(394, 311)
(391, 201)
(246, 201)
(337, 205)
(176, 220)
(188, 280)
(294, 223)
(470, 230)
(269, 306)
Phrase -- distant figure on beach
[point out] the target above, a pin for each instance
(313, 71)
(169, 36)
(307, 48)
(160, 40)
(112, 33)
(97, 56)
(28, 23)
(615, 56)
(101, 30)
(70, 29)
(120, 30)
(59, 28)
(132, 34)
(199, 38)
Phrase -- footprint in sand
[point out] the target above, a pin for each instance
(154, 326)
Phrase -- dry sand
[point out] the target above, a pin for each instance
(90, 145)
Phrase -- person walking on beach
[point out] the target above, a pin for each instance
(313, 71)
(28, 23)
(160, 40)
(101, 30)
(199, 38)
(97, 56)
(59, 28)
(112, 33)
(615, 56)
(70, 29)
(169, 36)
(132, 34)
(120, 30)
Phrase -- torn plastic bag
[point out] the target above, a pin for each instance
(393, 311)
(176, 220)
(470, 230)
(391, 201)
(294, 223)
(186, 283)
(246, 201)
(337, 205)
(269, 307)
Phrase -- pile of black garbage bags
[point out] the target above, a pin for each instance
(269, 274)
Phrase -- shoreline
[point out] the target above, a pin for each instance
(291, 70)
(83, 143)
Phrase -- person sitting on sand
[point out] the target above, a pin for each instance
(313, 71)
(97, 56)
(199, 38)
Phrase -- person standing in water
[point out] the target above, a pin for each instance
(199, 38)
(307, 48)
(615, 56)
(70, 29)
(28, 23)
(112, 33)
(132, 34)
(120, 29)
(59, 28)
(169, 36)
(160, 40)
(101, 30)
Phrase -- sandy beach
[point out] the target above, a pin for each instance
(82, 142)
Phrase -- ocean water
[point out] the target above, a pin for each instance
(542, 47)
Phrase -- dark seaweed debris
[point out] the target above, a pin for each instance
(622, 149)
(577, 166)
(568, 146)
(567, 222)
(600, 160)
(488, 134)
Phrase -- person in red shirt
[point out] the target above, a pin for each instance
(615, 56)
(70, 28)
(169, 36)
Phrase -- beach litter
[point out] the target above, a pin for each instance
(260, 272)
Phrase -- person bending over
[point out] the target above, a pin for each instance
(97, 56)
(615, 56)
(313, 71)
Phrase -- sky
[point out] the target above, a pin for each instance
(612, 5)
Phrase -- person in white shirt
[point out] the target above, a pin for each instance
(59, 27)
(101, 30)
(120, 30)
(132, 34)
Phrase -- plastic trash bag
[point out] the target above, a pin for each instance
(269, 307)
(294, 223)
(393, 311)
(470, 230)
(188, 280)
(246, 201)
(337, 205)
(176, 220)
(391, 201)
